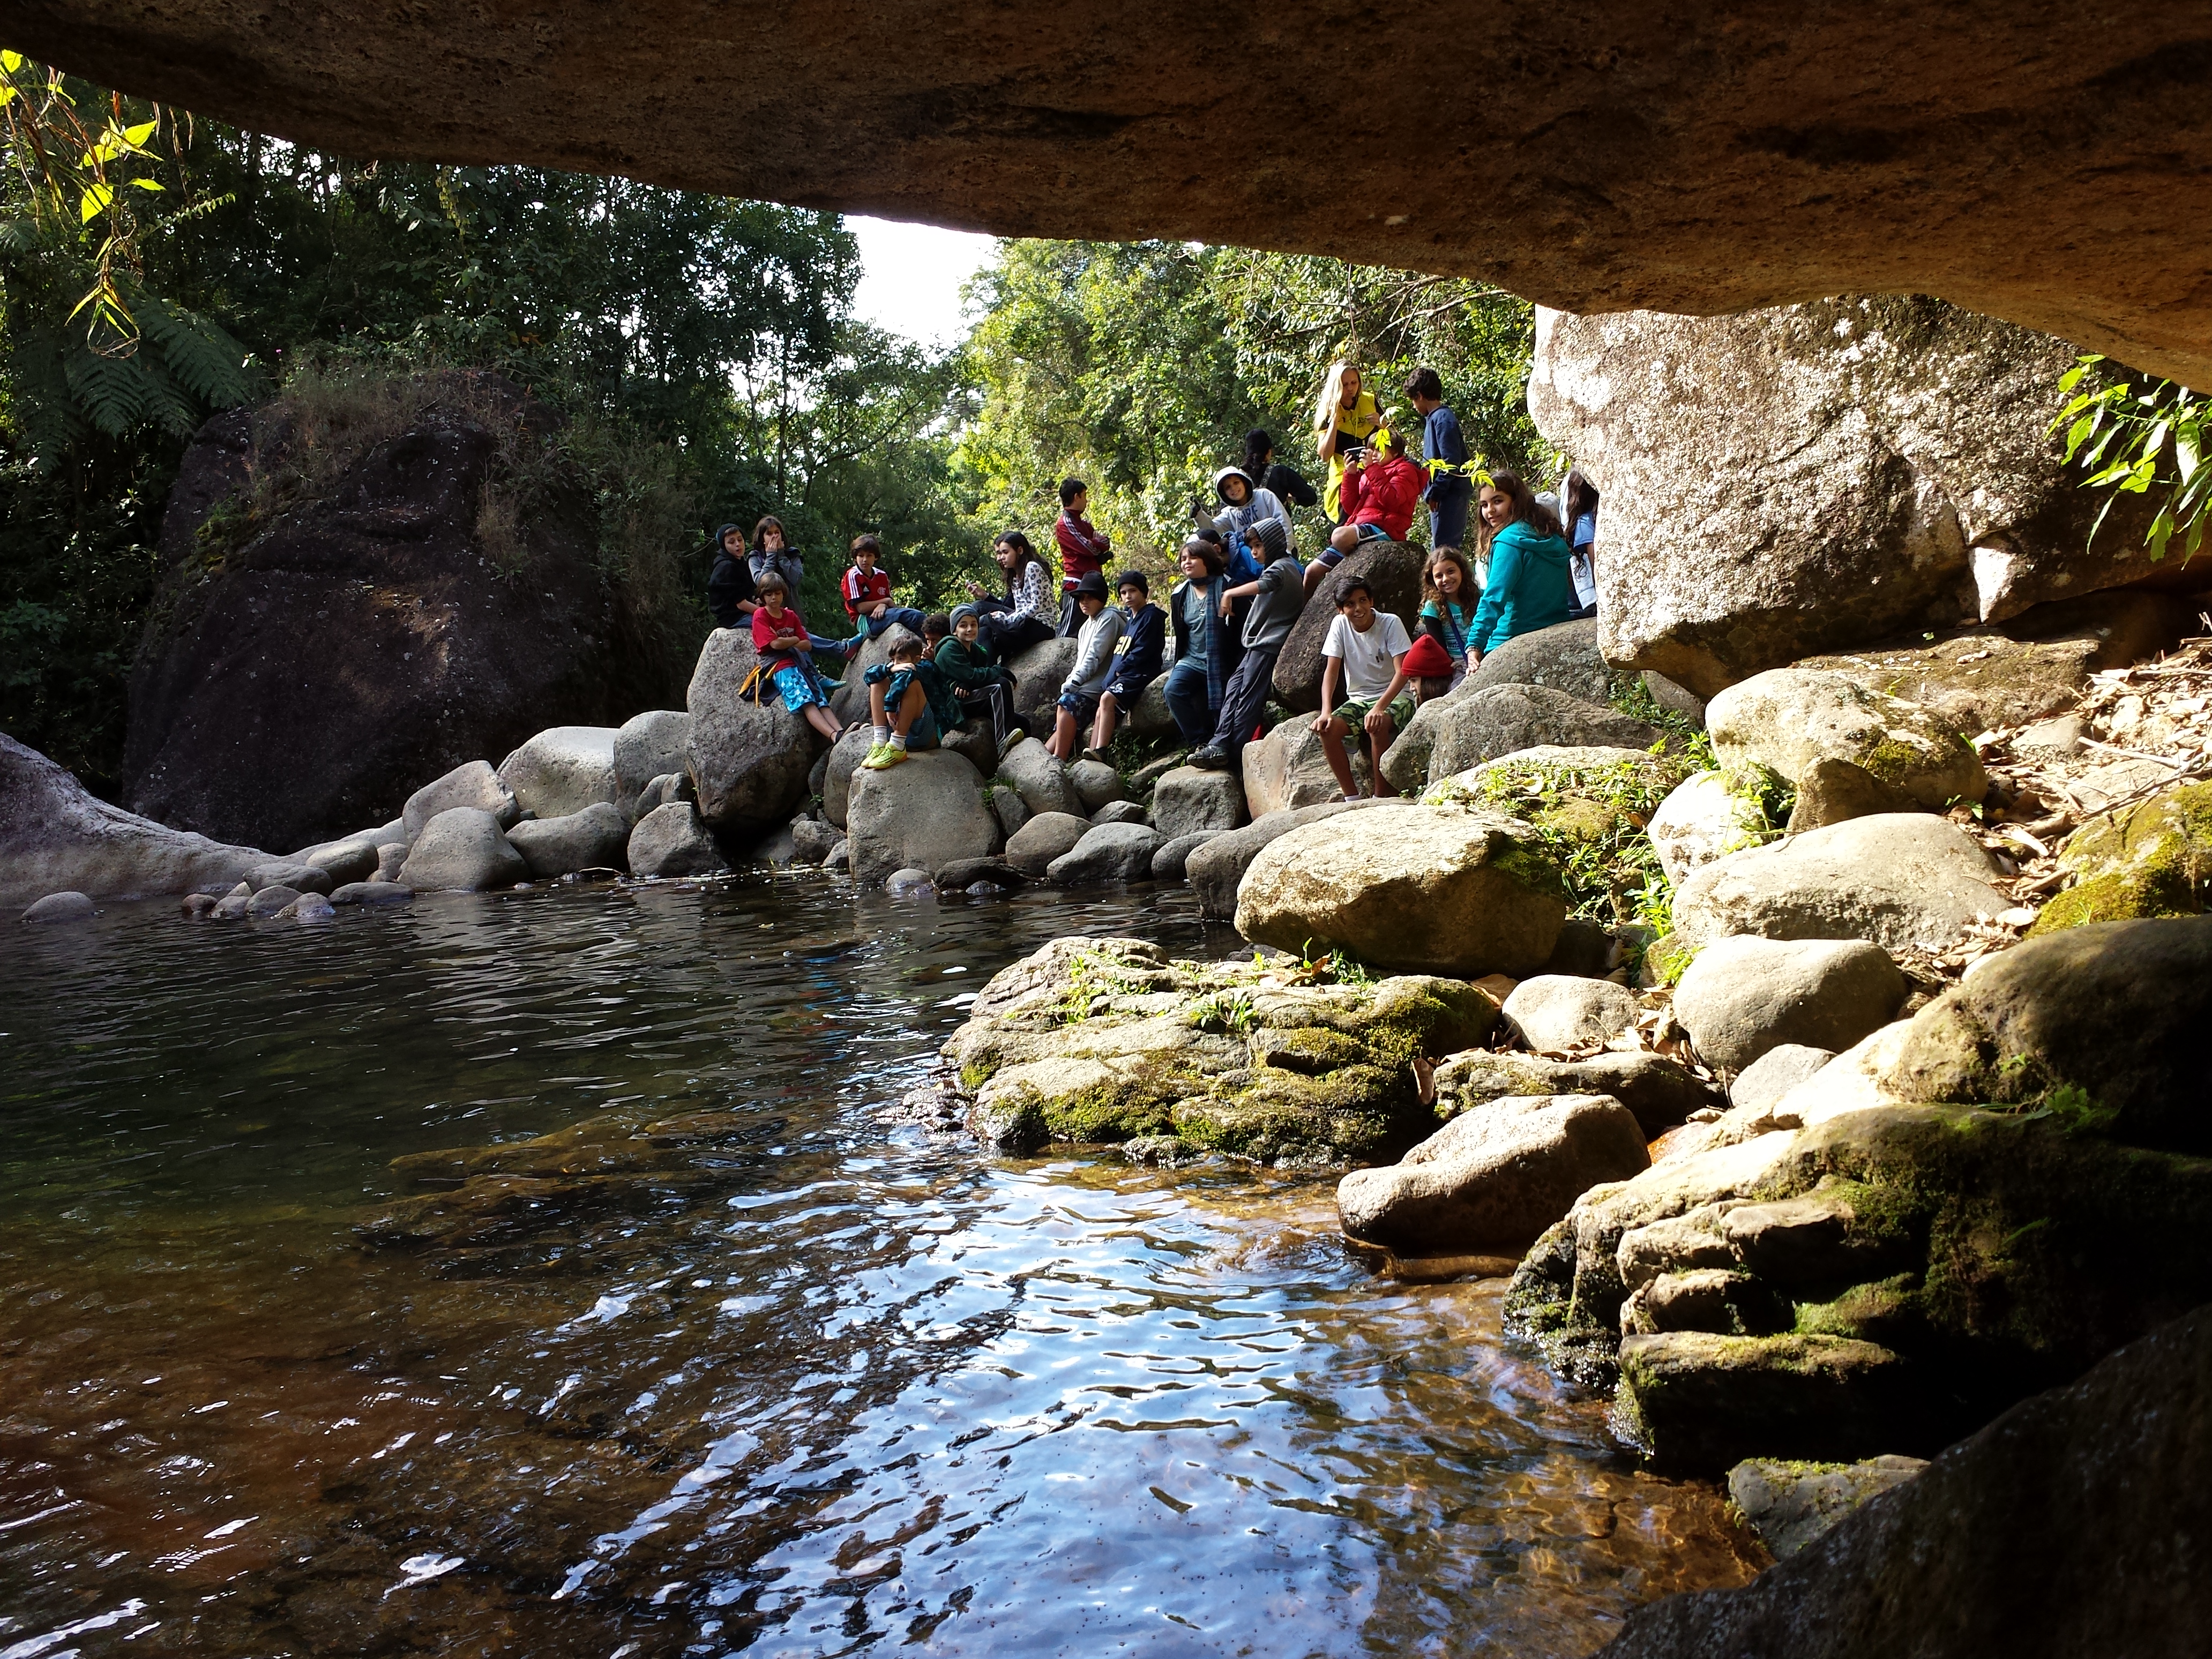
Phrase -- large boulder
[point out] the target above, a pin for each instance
(2103, 1025)
(57, 837)
(1107, 852)
(1905, 880)
(1216, 870)
(1190, 800)
(1392, 570)
(564, 769)
(1469, 728)
(648, 746)
(472, 783)
(1494, 1178)
(1039, 673)
(2152, 858)
(2067, 1526)
(1426, 889)
(1288, 769)
(1705, 818)
(596, 838)
(1741, 997)
(1566, 658)
(395, 617)
(1788, 719)
(673, 840)
(749, 756)
(463, 848)
(1032, 848)
(922, 814)
(1790, 1504)
(1039, 776)
(1819, 477)
(843, 760)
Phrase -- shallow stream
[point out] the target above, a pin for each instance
(820, 1383)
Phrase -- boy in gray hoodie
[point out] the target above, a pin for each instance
(1278, 596)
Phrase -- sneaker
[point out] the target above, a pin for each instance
(1208, 759)
(1097, 754)
(874, 762)
(893, 754)
(1014, 735)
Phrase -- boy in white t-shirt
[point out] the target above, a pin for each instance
(1365, 653)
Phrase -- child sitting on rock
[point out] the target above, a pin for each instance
(1094, 665)
(1137, 657)
(983, 683)
(868, 594)
(1365, 653)
(780, 636)
(910, 704)
(1447, 601)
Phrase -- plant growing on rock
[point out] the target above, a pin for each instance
(2133, 434)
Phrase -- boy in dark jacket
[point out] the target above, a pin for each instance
(1278, 596)
(1137, 658)
(1443, 449)
(978, 679)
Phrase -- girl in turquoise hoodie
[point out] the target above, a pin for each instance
(1530, 582)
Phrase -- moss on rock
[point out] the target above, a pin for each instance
(2154, 858)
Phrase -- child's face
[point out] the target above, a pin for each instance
(1359, 607)
(1446, 577)
(1235, 491)
(1497, 506)
(966, 629)
(1092, 604)
(1132, 597)
(1081, 504)
(866, 558)
(772, 539)
(772, 599)
(1193, 566)
(733, 541)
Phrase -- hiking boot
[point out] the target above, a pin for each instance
(1208, 758)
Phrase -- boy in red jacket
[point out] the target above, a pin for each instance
(1083, 548)
(1379, 498)
(867, 593)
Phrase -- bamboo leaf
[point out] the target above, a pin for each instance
(93, 203)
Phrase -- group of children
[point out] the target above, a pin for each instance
(1226, 622)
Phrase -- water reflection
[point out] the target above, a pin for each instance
(818, 1385)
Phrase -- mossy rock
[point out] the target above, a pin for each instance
(2154, 858)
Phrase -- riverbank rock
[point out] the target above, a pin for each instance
(1553, 1012)
(1034, 773)
(1659, 1092)
(1039, 673)
(1392, 570)
(1763, 1084)
(595, 838)
(1120, 811)
(1710, 816)
(1049, 836)
(749, 759)
(673, 840)
(648, 746)
(57, 908)
(1107, 852)
(471, 784)
(811, 839)
(1430, 890)
(1743, 996)
(924, 813)
(57, 837)
(1902, 880)
(1819, 477)
(2152, 858)
(2052, 1531)
(463, 848)
(1565, 658)
(1189, 801)
(1790, 718)
(1288, 769)
(1217, 869)
(1170, 863)
(353, 859)
(1493, 1177)
(1107, 1040)
(1789, 1505)
(372, 893)
(838, 768)
(1985, 1255)
(290, 873)
(564, 769)
(2102, 1025)
(1095, 783)
(1465, 731)
(1836, 792)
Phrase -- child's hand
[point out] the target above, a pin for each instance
(1321, 723)
(1377, 723)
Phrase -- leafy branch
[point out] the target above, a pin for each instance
(2133, 435)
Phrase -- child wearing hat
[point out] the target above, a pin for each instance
(1085, 683)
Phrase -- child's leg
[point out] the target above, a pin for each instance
(909, 710)
(823, 722)
(1331, 744)
(1378, 744)
(1063, 734)
(1102, 729)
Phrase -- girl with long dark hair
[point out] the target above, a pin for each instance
(1528, 586)
(1028, 612)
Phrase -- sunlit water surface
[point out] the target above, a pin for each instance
(822, 1383)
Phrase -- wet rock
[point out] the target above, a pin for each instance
(472, 783)
(926, 812)
(1045, 837)
(1494, 1176)
(1190, 800)
(1502, 720)
(963, 873)
(2050, 1533)
(2154, 858)
(1790, 718)
(673, 840)
(270, 901)
(290, 873)
(1169, 863)
(232, 906)
(778, 852)
(61, 907)
(1790, 1504)
(1553, 1012)
(1033, 773)
(839, 858)
(1836, 791)
(1217, 869)
(354, 859)
(1039, 673)
(911, 879)
(811, 840)
(1095, 783)
(596, 838)
(1006, 806)
(1761, 1085)
(648, 746)
(2102, 1025)
(1288, 769)
(1871, 468)
(564, 769)
(55, 837)
(1658, 1092)
(199, 907)
(372, 893)
(1902, 880)
(462, 848)
(1702, 1401)
(1107, 852)
(750, 759)
(1707, 817)
(1429, 889)
(1743, 996)
(308, 907)
(1391, 570)
(1120, 811)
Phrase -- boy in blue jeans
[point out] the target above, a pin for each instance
(867, 593)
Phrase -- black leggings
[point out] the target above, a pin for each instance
(1009, 633)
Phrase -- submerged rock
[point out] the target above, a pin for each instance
(61, 907)
(1103, 1040)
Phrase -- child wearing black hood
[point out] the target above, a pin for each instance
(730, 594)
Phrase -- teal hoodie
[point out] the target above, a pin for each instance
(1531, 587)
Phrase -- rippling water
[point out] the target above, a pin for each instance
(813, 1384)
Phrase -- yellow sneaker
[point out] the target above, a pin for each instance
(892, 756)
(874, 762)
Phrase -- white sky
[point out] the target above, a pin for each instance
(911, 276)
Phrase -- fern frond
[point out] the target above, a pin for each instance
(114, 394)
(199, 355)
